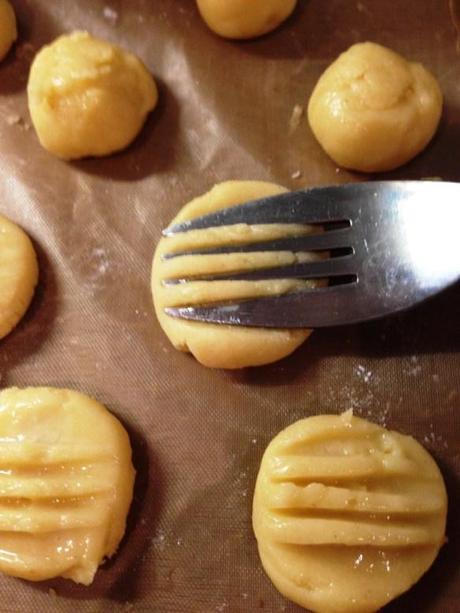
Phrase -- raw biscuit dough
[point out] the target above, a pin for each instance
(66, 484)
(8, 29)
(347, 515)
(222, 346)
(372, 110)
(88, 97)
(244, 18)
(18, 274)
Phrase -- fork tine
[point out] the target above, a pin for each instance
(313, 308)
(311, 206)
(333, 239)
(390, 269)
(332, 267)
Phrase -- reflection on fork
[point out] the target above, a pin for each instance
(385, 246)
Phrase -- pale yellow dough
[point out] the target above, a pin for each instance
(66, 484)
(8, 29)
(219, 346)
(347, 515)
(18, 274)
(88, 97)
(372, 110)
(244, 18)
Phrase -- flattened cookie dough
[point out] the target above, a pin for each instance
(18, 274)
(214, 345)
(347, 515)
(243, 18)
(8, 29)
(88, 97)
(372, 110)
(66, 484)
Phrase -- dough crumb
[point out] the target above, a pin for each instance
(17, 120)
(347, 417)
(25, 51)
(296, 117)
(12, 120)
(110, 15)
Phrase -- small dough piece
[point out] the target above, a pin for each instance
(88, 97)
(244, 18)
(214, 345)
(66, 484)
(18, 274)
(8, 28)
(347, 515)
(372, 110)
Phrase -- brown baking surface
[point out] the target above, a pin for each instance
(198, 434)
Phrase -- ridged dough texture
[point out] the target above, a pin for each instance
(8, 28)
(347, 515)
(243, 18)
(372, 110)
(18, 274)
(66, 483)
(214, 345)
(88, 97)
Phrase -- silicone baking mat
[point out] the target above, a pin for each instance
(225, 112)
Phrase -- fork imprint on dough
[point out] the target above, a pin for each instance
(65, 484)
(340, 498)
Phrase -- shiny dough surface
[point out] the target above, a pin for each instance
(244, 18)
(214, 345)
(347, 515)
(66, 483)
(8, 29)
(88, 97)
(372, 110)
(18, 274)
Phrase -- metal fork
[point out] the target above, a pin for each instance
(390, 246)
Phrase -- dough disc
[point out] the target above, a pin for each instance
(347, 515)
(66, 483)
(8, 29)
(243, 19)
(18, 274)
(220, 346)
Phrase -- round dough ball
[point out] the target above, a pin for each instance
(372, 110)
(347, 515)
(18, 274)
(214, 345)
(66, 484)
(8, 29)
(244, 18)
(88, 97)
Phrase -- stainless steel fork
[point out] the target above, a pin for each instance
(390, 245)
